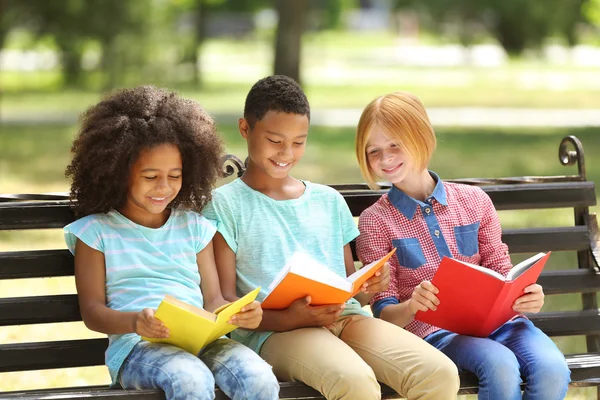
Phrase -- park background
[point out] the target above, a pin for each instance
(503, 80)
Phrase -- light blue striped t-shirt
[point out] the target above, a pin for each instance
(264, 233)
(143, 265)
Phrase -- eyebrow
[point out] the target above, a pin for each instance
(283, 136)
(158, 170)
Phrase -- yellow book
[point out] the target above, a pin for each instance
(191, 328)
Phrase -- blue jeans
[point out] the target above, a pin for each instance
(237, 370)
(515, 349)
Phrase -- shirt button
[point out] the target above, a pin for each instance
(436, 233)
(427, 211)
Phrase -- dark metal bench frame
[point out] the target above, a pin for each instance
(26, 212)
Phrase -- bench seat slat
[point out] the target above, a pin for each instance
(584, 367)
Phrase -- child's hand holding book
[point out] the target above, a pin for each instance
(532, 301)
(146, 324)
(249, 316)
(379, 282)
(301, 314)
(423, 298)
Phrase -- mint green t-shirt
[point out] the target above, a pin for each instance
(264, 233)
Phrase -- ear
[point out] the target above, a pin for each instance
(244, 128)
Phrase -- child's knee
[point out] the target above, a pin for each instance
(262, 384)
(439, 374)
(186, 378)
(550, 376)
(352, 382)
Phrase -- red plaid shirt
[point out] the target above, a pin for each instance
(457, 220)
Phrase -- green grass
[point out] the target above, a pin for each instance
(338, 70)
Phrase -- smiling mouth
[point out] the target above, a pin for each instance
(390, 170)
(280, 165)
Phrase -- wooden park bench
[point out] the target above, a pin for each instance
(26, 212)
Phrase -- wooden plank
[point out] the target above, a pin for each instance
(49, 263)
(36, 264)
(35, 215)
(64, 308)
(49, 355)
(568, 323)
(504, 197)
(570, 281)
(532, 240)
(39, 309)
(56, 214)
(585, 368)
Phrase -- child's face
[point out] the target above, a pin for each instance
(386, 158)
(277, 142)
(154, 181)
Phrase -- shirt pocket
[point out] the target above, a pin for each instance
(409, 252)
(467, 239)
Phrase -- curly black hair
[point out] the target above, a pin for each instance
(276, 93)
(114, 131)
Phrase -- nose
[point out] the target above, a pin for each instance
(286, 151)
(162, 184)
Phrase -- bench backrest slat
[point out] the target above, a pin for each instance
(48, 355)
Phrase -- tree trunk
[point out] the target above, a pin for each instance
(511, 35)
(292, 19)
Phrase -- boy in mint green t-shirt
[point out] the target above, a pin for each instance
(267, 215)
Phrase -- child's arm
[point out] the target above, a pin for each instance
(90, 281)
(298, 315)
(423, 298)
(250, 315)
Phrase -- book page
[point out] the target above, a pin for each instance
(523, 266)
(185, 306)
(366, 272)
(485, 270)
(304, 265)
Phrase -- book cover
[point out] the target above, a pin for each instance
(303, 276)
(192, 328)
(475, 300)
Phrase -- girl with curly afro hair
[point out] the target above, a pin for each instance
(144, 164)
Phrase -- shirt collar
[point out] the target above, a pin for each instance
(408, 206)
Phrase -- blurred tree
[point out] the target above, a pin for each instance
(288, 38)
(516, 24)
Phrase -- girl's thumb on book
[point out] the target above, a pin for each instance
(308, 299)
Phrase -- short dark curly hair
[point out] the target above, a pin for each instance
(275, 93)
(114, 131)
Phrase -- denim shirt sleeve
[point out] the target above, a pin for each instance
(379, 305)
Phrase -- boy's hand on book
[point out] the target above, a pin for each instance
(532, 301)
(249, 316)
(306, 315)
(423, 298)
(145, 324)
(378, 282)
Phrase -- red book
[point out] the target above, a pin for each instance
(475, 300)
